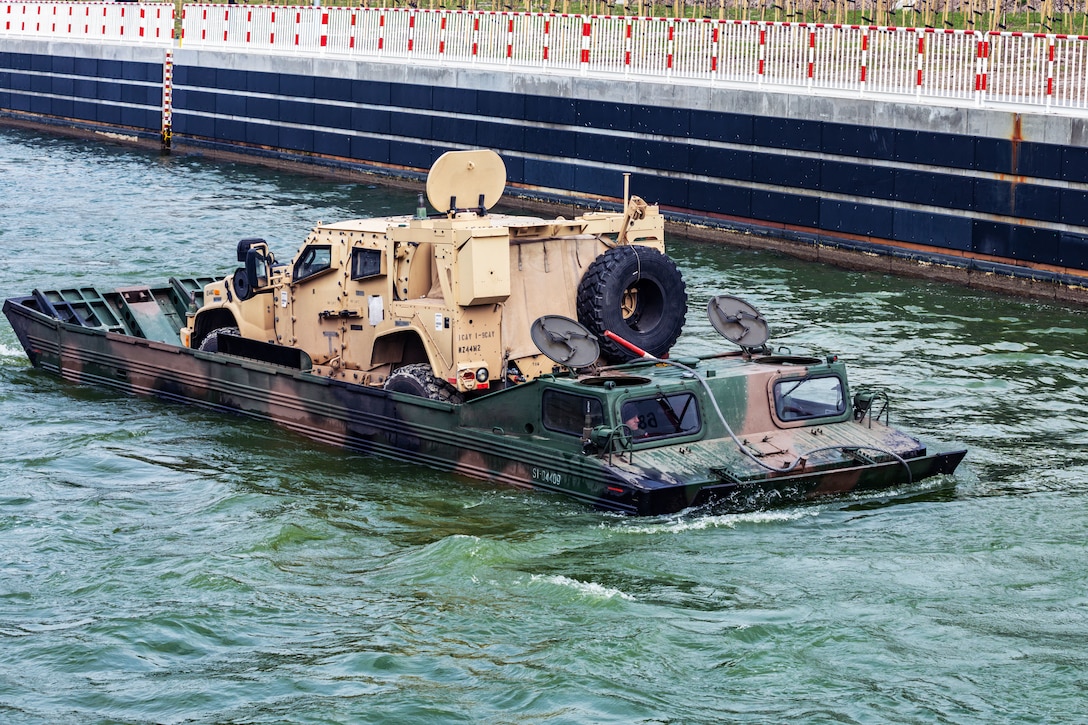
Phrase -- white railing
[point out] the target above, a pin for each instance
(964, 66)
(960, 65)
(122, 22)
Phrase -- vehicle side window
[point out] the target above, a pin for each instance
(566, 413)
(313, 260)
(809, 398)
(366, 263)
(661, 416)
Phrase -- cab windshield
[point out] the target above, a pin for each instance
(809, 398)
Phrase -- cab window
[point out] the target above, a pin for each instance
(313, 260)
(566, 413)
(366, 263)
(661, 416)
(809, 398)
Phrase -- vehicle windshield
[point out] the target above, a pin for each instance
(661, 416)
(809, 398)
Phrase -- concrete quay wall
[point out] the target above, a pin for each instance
(991, 197)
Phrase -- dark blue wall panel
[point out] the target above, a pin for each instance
(850, 218)
(404, 95)
(455, 130)
(598, 180)
(938, 230)
(370, 149)
(601, 149)
(941, 190)
(663, 155)
(374, 92)
(332, 115)
(1073, 250)
(721, 199)
(993, 154)
(453, 100)
(791, 209)
(1075, 164)
(603, 115)
(725, 127)
(333, 89)
(547, 109)
(500, 105)
(501, 136)
(788, 133)
(870, 180)
(936, 149)
(1040, 160)
(549, 174)
(332, 144)
(865, 142)
(370, 120)
(723, 163)
(661, 120)
(263, 134)
(786, 170)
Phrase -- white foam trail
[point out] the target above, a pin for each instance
(728, 521)
(589, 589)
(6, 351)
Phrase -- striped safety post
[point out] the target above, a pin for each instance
(475, 37)
(547, 39)
(670, 47)
(1050, 70)
(864, 57)
(715, 40)
(762, 52)
(587, 30)
(982, 56)
(810, 71)
(442, 36)
(921, 62)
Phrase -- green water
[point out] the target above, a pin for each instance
(164, 564)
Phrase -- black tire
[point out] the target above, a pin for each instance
(638, 293)
(211, 342)
(243, 290)
(419, 380)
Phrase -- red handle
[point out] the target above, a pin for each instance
(629, 345)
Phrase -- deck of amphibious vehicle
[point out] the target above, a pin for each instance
(513, 349)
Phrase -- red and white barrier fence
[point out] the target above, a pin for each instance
(1049, 70)
(123, 22)
(1036, 69)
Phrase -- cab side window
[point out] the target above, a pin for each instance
(312, 260)
(566, 413)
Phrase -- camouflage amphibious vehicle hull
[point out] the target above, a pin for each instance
(641, 438)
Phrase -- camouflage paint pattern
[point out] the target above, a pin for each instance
(502, 437)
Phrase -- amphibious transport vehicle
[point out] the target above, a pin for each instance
(506, 348)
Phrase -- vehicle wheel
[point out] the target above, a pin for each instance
(418, 379)
(638, 293)
(211, 342)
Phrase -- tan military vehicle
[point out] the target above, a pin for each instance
(441, 305)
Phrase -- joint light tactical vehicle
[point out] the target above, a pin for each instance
(507, 348)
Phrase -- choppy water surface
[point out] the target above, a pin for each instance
(164, 564)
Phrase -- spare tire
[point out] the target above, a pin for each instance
(638, 293)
